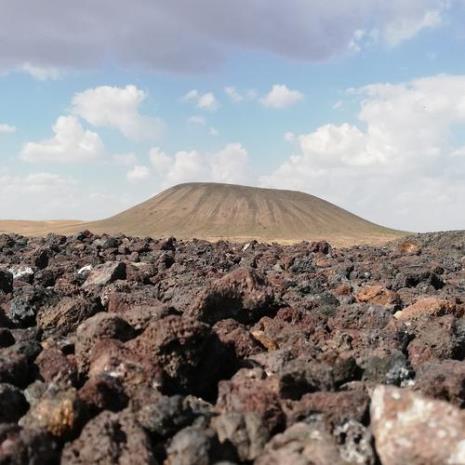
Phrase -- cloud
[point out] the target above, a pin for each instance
(403, 29)
(205, 101)
(400, 165)
(160, 160)
(87, 33)
(197, 120)
(125, 159)
(119, 108)
(280, 96)
(229, 165)
(289, 137)
(70, 144)
(233, 94)
(41, 73)
(6, 129)
(138, 173)
(45, 196)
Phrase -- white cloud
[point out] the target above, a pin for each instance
(138, 173)
(230, 164)
(280, 96)
(362, 39)
(70, 144)
(399, 166)
(338, 105)
(160, 160)
(233, 94)
(197, 120)
(45, 196)
(119, 108)
(42, 73)
(227, 165)
(6, 129)
(240, 96)
(208, 102)
(205, 101)
(405, 28)
(35, 183)
(213, 132)
(289, 137)
(125, 159)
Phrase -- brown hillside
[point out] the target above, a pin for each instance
(224, 211)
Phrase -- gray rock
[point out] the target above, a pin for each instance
(105, 274)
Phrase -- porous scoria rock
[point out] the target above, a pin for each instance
(14, 367)
(191, 446)
(443, 380)
(245, 431)
(188, 353)
(27, 446)
(55, 366)
(105, 274)
(409, 247)
(435, 339)
(164, 416)
(242, 294)
(110, 439)
(252, 391)
(412, 429)
(336, 407)
(96, 328)
(377, 294)
(13, 405)
(66, 315)
(313, 444)
(427, 307)
(6, 281)
(59, 412)
(211, 353)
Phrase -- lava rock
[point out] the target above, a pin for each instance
(408, 428)
(105, 274)
(241, 294)
(110, 439)
(65, 316)
(96, 328)
(13, 405)
(6, 281)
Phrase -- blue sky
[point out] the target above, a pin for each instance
(361, 104)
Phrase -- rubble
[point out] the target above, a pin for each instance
(118, 350)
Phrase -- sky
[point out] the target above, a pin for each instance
(105, 103)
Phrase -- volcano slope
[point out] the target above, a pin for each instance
(118, 350)
(214, 212)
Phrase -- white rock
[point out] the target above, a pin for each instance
(21, 271)
(415, 430)
(85, 269)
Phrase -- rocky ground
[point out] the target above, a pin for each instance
(117, 350)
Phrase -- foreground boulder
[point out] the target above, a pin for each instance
(409, 428)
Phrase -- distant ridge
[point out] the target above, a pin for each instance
(225, 211)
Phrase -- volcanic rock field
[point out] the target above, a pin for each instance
(121, 350)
